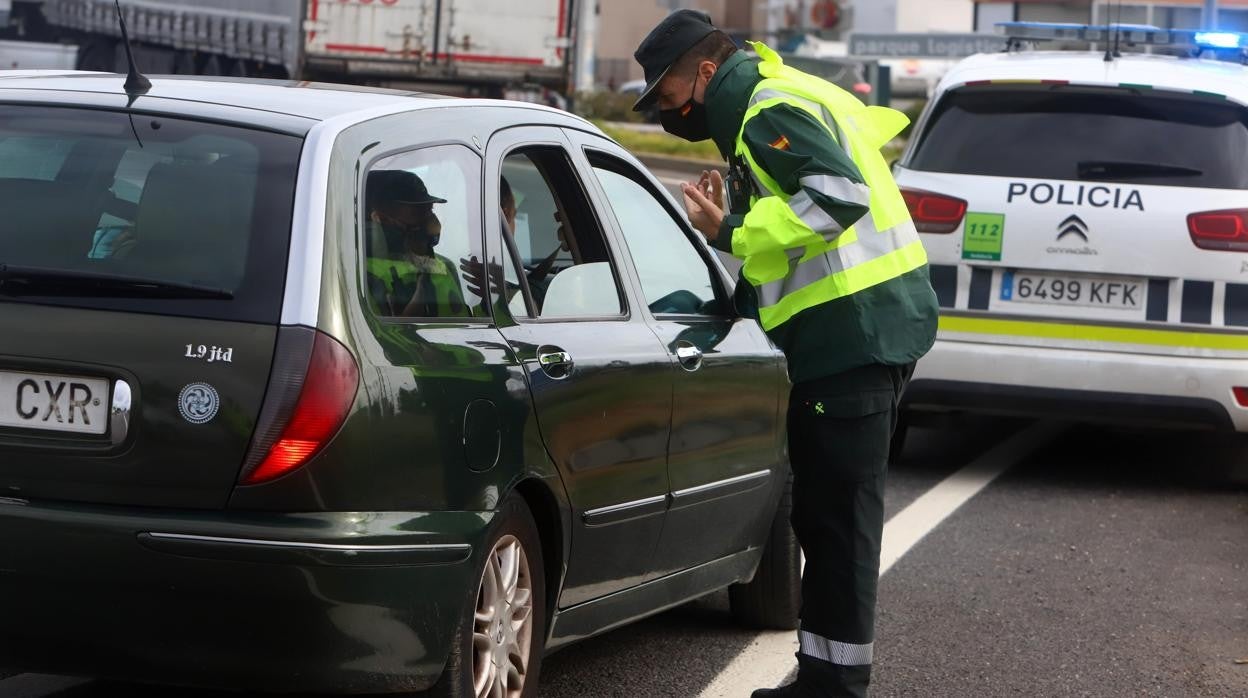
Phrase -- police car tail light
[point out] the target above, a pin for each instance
(1241, 395)
(934, 213)
(308, 400)
(1220, 230)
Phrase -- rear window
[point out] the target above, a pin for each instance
(1090, 134)
(102, 194)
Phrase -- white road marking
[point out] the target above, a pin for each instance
(769, 658)
(924, 514)
(37, 685)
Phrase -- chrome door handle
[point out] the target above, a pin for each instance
(555, 363)
(689, 356)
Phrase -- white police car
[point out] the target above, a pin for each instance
(1086, 216)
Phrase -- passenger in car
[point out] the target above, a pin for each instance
(407, 278)
(538, 276)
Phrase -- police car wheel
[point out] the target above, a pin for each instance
(498, 646)
(773, 598)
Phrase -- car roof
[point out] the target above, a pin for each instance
(1090, 68)
(285, 105)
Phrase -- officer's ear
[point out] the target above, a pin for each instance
(707, 69)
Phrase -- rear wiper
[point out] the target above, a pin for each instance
(18, 280)
(1106, 169)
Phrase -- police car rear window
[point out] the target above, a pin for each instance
(144, 213)
(1126, 135)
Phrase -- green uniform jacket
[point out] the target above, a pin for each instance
(892, 323)
(394, 283)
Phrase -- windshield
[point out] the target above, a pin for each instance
(95, 199)
(1092, 134)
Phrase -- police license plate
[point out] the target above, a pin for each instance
(1119, 293)
(53, 403)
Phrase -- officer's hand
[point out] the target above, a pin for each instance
(474, 271)
(712, 185)
(703, 213)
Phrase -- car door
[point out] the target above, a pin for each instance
(727, 445)
(601, 381)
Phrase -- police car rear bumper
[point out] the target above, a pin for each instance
(1079, 385)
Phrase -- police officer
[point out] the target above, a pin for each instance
(836, 274)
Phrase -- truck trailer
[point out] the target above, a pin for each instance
(478, 46)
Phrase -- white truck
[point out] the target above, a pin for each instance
(482, 46)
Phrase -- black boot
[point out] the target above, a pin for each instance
(793, 690)
(820, 679)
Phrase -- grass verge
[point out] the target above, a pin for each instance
(660, 143)
(645, 142)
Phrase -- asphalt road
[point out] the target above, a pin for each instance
(1098, 563)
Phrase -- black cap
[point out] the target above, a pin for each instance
(399, 187)
(666, 43)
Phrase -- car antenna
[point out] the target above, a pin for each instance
(1117, 35)
(136, 83)
(1111, 43)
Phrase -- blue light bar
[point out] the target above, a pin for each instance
(1126, 35)
(1229, 40)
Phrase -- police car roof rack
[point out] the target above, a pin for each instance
(1193, 42)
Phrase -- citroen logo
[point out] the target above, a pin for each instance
(1073, 226)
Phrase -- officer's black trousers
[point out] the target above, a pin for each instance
(839, 433)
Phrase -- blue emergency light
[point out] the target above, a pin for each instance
(1228, 40)
(1125, 35)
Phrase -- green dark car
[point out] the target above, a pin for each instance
(316, 388)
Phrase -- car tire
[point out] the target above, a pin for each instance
(513, 566)
(773, 598)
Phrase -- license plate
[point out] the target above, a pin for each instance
(1073, 289)
(53, 403)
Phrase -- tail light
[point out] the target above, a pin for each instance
(1220, 230)
(311, 390)
(1241, 395)
(934, 213)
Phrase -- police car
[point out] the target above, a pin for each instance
(1086, 217)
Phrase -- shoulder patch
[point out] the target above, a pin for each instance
(781, 143)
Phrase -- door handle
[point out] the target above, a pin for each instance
(689, 356)
(555, 363)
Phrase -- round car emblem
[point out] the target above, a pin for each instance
(198, 403)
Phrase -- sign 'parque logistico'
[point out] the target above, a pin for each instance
(938, 45)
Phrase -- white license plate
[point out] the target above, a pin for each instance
(1073, 289)
(53, 403)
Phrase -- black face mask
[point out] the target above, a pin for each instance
(397, 234)
(687, 121)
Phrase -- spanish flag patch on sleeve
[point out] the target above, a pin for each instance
(781, 143)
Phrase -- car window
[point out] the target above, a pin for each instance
(422, 234)
(568, 269)
(1090, 134)
(89, 193)
(674, 275)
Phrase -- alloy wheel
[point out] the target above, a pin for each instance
(502, 634)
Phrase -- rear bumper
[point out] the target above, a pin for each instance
(342, 602)
(1088, 385)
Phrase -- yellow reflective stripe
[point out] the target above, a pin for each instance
(845, 283)
(1095, 333)
(769, 230)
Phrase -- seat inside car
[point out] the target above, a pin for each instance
(582, 290)
(190, 226)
